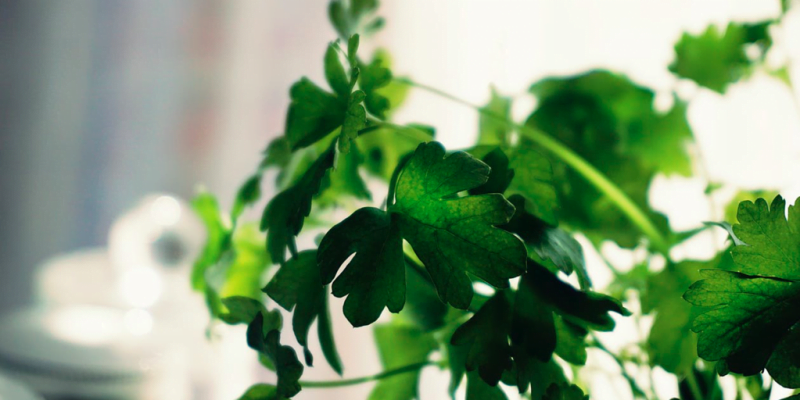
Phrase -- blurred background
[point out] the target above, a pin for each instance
(103, 103)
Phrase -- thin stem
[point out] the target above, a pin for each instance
(357, 381)
(409, 131)
(691, 380)
(575, 161)
(637, 391)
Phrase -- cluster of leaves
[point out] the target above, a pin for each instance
(502, 214)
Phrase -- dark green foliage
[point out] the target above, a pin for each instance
(528, 322)
(261, 391)
(298, 286)
(747, 320)
(284, 215)
(485, 335)
(452, 222)
(453, 235)
(450, 235)
(716, 59)
(564, 392)
(263, 335)
(601, 110)
(375, 278)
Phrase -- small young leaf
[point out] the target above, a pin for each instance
(492, 129)
(354, 120)
(352, 49)
(716, 59)
(284, 214)
(375, 76)
(248, 194)
(313, 114)
(241, 310)
(287, 366)
(334, 72)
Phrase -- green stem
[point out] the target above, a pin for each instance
(575, 161)
(691, 380)
(357, 381)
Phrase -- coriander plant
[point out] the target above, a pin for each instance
(502, 213)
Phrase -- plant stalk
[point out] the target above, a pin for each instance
(575, 161)
(694, 387)
(364, 379)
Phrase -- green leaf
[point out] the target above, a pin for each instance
(541, 299)
(352, 49)
(241, 310)
(671, 344)
(351, 17)
(570, 341)
(538, 374)
(455, 235)
(344, 181)
(748, 320)
(313, 114)
(716, 59)
(523, 171)
(477, 389)
(423, 307)
(266, 340)
(452, 236)
(495, 131)
(248, 194)
(533, 179)
(277, 154)
(393, 91)
(732, 208)
(297, 286)
(334, 72)
(375, 278)
(325, 333)
(374, 76)
(205, 205)
(399, 346)
(354, 120)
(243, 273)
(485, 334)
(500, 175)
(261, 391)
(384, 147)
(284, 214)
(601, 110)
(548, 242)
(564, 392)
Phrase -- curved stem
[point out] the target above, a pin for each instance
(575, 161)
(357, 381)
